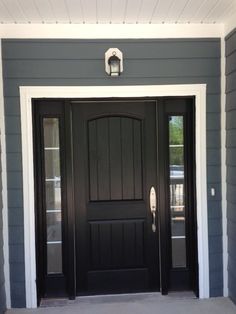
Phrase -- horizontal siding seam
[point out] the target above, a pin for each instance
(102, 77)
(233, 220)
(230, 34)
(232, 238)
(215, 272)
(228, 74)
(212, 164)
(232, 166)
(229, 91)
(16, 281)
(231, 203)
(231, 53)
(230, 146)
(231, 109)
(232, 275)
(14, 115)
(18, 96)
(230, 183)
(214, 252)
(108, 41)
(12, 133)
(102, 59)
(230, 255)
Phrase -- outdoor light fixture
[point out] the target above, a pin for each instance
(114, 62)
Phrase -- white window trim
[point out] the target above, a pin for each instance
(27, 93)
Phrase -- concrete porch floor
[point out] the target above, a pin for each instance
(135, 304)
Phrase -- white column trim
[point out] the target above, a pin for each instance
(111, 31)
(4, 191)
(223, 170)
(27, 93)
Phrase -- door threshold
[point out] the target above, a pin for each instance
(98, 298)
(117, 298)
(182, 295)
(121, 297)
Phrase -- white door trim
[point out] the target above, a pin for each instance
(27, 93)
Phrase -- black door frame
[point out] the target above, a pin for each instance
(169, 275)
(67, 153)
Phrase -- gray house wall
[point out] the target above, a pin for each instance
(74, 62)
(2, 281)
(231, 157)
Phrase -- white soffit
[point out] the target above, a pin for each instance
(116, 11)
(100, 19)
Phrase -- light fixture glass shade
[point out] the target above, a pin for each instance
(114, 63)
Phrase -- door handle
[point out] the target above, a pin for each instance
(153, 207)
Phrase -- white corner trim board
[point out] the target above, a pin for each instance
(108, 31)
(4, 191)
(223, 171)
(27, 93)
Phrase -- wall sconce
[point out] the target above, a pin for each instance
(114, 62)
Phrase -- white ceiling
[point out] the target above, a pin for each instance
(116, 11)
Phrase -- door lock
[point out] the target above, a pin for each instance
(153, 207)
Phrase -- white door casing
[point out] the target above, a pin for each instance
(27, 93)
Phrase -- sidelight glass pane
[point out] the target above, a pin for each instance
(177, 190)
(53, 195)
(54, 254)
(53, 226)
(51, 133)
(52, 163)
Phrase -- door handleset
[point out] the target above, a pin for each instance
(153, 207)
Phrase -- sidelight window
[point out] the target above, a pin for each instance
(177, 190)
(52, 177)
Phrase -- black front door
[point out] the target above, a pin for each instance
(114, 145)
(115, 196)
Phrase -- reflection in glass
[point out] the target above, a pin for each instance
(52, 163)
(54, 254)
(177, 190)
(53, 226)
(53, 194)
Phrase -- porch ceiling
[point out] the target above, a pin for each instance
(116, 11)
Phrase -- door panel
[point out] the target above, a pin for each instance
(115, 159)
(116, 169)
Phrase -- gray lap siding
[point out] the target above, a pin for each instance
(81, 62)
(2, 279)
(231, 158)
